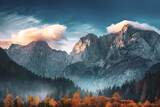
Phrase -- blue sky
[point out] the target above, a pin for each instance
(79, 16)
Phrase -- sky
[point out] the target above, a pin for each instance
(63, 22)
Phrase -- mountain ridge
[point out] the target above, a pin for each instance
(38, 57)
(116, 54)
(126, 54)
(21, 82)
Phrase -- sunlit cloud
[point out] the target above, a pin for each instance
(21, 29)
(114, 28)
(49, 33)
(5, 44)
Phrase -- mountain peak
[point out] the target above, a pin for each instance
(89, 36)
(40, 43)
(14, 46)
(84, 42)
(128, 29)
(125, 24)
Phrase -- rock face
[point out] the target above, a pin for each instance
(90, 48)
(114, 58)
(86, 49)
(95, 62)
(39, 58)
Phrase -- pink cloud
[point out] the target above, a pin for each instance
(48, 33)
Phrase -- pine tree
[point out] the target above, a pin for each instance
(143, 95)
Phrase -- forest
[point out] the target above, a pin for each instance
(20, 89)
(76, 101)
(144, 93)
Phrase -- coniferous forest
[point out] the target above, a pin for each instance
(143, 93)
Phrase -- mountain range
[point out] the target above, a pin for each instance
(95, 62)
(38, 57)
(21, 82)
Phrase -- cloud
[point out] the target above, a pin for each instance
(49, 33)
(83, 29)
(5, 44)
(80, 33)
(22, 29)
(13, 23)
(114, 28)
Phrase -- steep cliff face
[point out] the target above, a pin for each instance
(87, 50)
(129, 41)
(91, 49)
(39, 58)
(135, 42)
(121, 56)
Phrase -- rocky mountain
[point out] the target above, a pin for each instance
(114, 58)
(129, 41)
(95, 62)
(38, 57)
(91, 49)
(21, 82)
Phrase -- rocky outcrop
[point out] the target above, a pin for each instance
(38, 57)
(87, 50)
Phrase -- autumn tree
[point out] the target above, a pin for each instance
(52, 102)
(20, 103)
(47, 100)
(123, 105)
(9, 101)
(16, 101)
(92, 101)
(101, 100)
(132, 104)
(66, 96)
(157, 103)
(86, 99)
(116, 97)
(139, 104)
(76, 101)
(115, 104)
(37, 100)
(146, 104)
(108, 104)
(30, 101)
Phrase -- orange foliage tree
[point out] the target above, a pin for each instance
(52, 102)
(8, 102)
(20, 103)
(76, 101)
(37, 100)
(87, 101)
